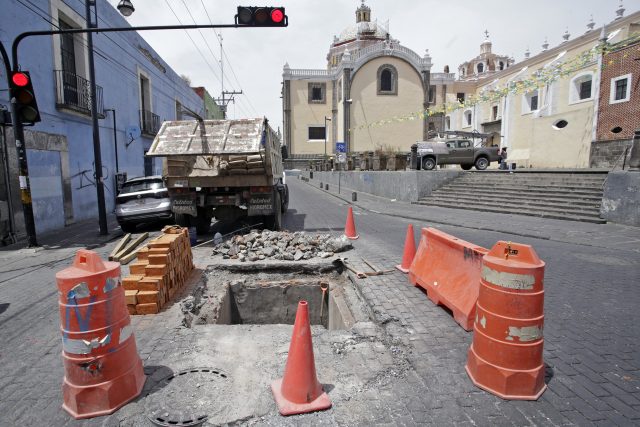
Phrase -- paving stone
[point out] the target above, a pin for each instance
(624, 409)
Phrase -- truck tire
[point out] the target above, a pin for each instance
(203, 222)
(285, 200)
(128, 227)
(482, 163)
(428, 163)
(466, 167)
(274, 222)
(183, 220)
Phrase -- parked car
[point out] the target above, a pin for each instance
(455, 151)
(141, 200)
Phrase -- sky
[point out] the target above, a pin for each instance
(253, 57)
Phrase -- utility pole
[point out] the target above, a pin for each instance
(97, 157)
(225, 101)
(221, 65)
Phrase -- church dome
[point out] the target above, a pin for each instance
(363, 28)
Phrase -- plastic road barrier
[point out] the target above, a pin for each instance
(449, 270)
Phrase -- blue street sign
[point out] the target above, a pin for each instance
(341, 147)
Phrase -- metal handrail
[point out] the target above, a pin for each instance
(149, 122)
(615, 164)
(74, 92)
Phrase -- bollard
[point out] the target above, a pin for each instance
(413, 164)
(326, 187)
(310, 174)
(321, 186)
(354, 197)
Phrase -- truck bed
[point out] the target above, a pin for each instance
(218, 153)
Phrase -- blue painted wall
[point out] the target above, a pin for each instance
(118, 60)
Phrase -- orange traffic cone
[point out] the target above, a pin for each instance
(350, 227)
(409, 250)
(299, 391)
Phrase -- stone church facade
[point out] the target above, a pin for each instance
(370, 77)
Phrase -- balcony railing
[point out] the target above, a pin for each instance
(73, 92)
(149, 122)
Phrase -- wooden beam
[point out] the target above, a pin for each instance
(131, 246)
(119, 246)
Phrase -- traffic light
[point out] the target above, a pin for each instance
(25, 98)
(252, 16)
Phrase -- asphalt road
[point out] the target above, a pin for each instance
(592, 338)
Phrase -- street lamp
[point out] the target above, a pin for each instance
(126, 7)
(326, 119)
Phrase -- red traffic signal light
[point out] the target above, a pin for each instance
(23, 96)
(20, 79)
(252, 16)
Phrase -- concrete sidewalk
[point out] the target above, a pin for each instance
(612, 236)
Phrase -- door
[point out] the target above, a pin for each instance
(464, 152)
(45, 177)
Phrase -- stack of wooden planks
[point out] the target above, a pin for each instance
(161, 269)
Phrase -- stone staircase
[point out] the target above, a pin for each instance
(573, 196)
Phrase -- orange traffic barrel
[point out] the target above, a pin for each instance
(505, 357)
(102, 368)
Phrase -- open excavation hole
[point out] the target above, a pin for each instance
(271, 296)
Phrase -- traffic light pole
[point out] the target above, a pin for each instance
(19, 130)
(25, 188)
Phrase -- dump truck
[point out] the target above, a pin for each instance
(223, 169)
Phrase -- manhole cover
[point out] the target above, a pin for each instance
(187, 398)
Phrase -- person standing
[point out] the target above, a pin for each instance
(503, 159)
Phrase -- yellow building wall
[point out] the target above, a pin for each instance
(304, 114)
(369, 108)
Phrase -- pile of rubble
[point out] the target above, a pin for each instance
(281, 245)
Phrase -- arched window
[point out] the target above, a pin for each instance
(501, 65)
(530, 101)
(387, 80)
(480, 68)
(468, 118)
(581, 88)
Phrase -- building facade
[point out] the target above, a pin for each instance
(134, 83)
(369, 78)
(377, 94)
(553, 124)
(212, 111)
(618, 104)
